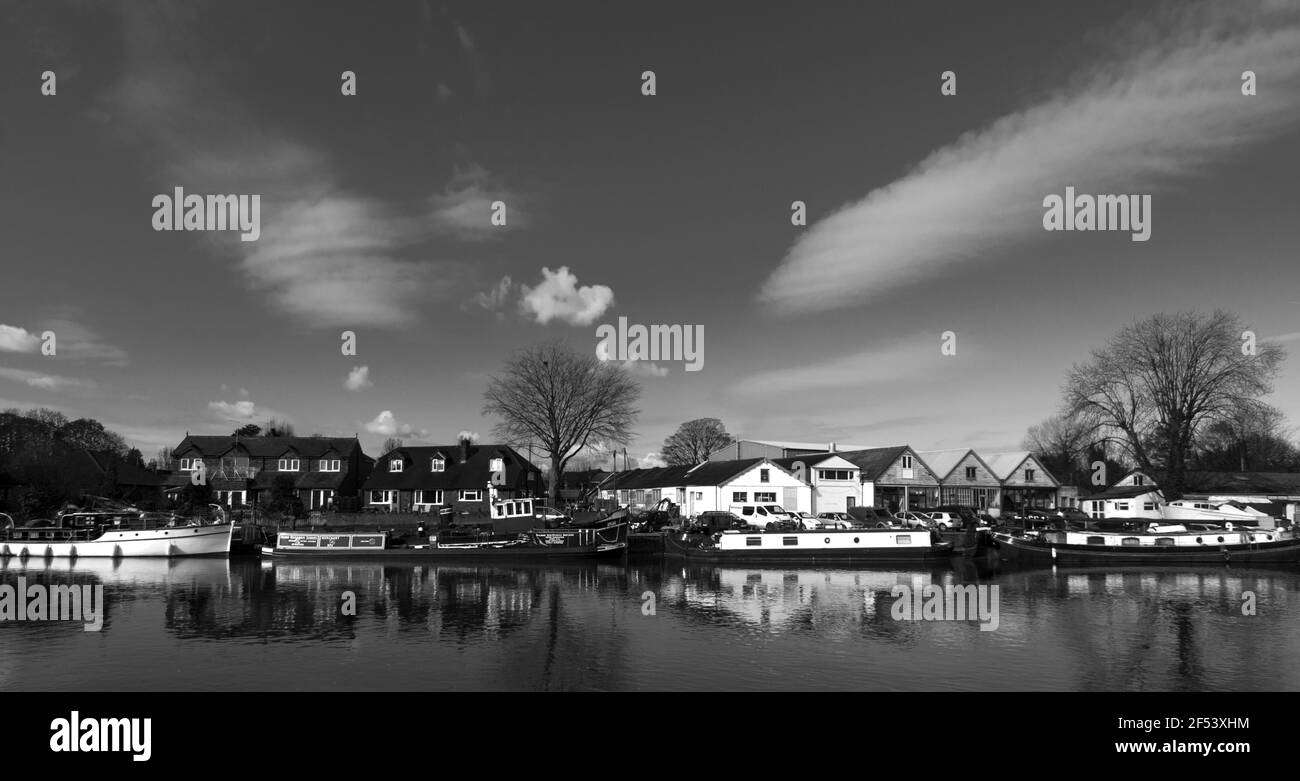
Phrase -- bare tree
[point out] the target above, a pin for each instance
(164, 459)
(694, 440)
(562, 401)
(277, 428)
(1157, 382)
(390, 444)
(1061, 442)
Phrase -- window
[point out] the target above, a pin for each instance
(439, 464)
(1029, 475)
(789, 540)
(381, 497)
(185, 465)
(1139, 480)
(1148, 505)
(330, 464)
(970, 473)
(497, 464)
(747, 511)
(1165, 542)
(395, 465)
(740, 497)
(907, 462)
(765, 475)
(1096, 540)
(765, 496)
(471, 495)
(698, 495)
(903, 539)
(754, 541)
(288, 465)
(1121, 507)
(834, 474)
(1130, 541)
(428, 497)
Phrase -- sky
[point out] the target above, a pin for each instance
(924, 210)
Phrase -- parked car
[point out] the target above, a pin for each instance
(914, 520)
(766, 516)
(1072, 515)
(871, 518)
(713, 521)
(835, 520)
(944, 520)
(808, 520)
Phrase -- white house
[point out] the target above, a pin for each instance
(835, 482)
(711, 485)
(1134, 501)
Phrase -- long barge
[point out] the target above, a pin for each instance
(823, 546)
(1168, 544)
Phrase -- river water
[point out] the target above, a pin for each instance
(248, 625)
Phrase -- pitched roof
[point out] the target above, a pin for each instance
(722, 472)
(874, 461)
(707, 473)
(1275, 483)
(1122, 492)
(942, 462)
(1004, 464)
(417, 471)
(270, 447)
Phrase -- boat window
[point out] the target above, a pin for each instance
(903, 539)
(754, 541)
(1165, 542)
(1220, 539)
(1130, 541)
(789, 540)
(1096, 540)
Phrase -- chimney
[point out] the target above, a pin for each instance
(832, 449)
(464, 449)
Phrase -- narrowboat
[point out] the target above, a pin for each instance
(115, 534)
(1158, 543)
(829, 546)
(496, 539)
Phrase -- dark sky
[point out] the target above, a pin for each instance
(924, 210)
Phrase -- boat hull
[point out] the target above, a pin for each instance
(699, 548)
(160, 543)
(540, 544)
(1024, 550)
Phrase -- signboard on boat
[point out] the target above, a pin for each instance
(330, 541)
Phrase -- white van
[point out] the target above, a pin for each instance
(760, 515)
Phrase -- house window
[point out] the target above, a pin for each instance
(1121, 507)
(185, 465)
(288, 465)
(907, 462)
(834, 474)
(428, 497)
(697, 495)
(471, 495)
(1148, 505)
(497, 464)
(1029, 475)
(765, 496)
(439, 464)
(740, 497)
(765, 475)
(395, 465)
(970, 473)
(381, 497)
(1139, 480)
(330, 465)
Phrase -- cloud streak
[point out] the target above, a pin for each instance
(1162, 108)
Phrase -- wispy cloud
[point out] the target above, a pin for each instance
(558, 297)
(243, 411)
(899, 361)
(493, 300)
(44, 381)
(358, 378)
(1290, 337)
(464, 208)
(1164, 105)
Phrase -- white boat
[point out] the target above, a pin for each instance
(115, 534)
(1201, 511)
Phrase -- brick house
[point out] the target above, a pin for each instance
(450, 478)
(240, 470)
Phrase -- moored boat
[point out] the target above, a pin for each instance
(809, 547)
(114, 534)
(1158, 543)
(601, 538)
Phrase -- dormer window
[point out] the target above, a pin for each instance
(497, 464)
(289, 465)
(330, 464)
(438, 464)
(187, 465)
(1139, 480)
(395, 465)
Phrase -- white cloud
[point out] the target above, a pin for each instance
(645, 368)
(51, 382)
(1163, 107)
(18, 340)
(243, 410)
(464, 208)
(651, 460)
(358, 378)
(466, 42)
(558, 297)
(386, 424)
